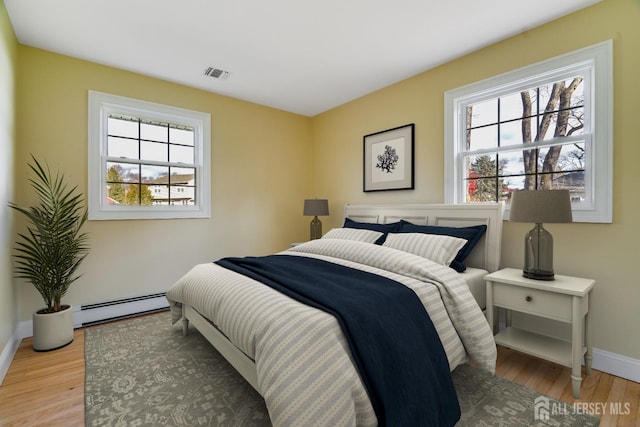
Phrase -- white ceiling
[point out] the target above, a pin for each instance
(296, 55)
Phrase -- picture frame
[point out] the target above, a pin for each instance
(388, 159)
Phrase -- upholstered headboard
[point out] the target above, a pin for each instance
(485, 255)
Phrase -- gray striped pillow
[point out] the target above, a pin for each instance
(438, 248)
(360, 235)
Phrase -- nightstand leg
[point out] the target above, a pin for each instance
(588, 357)
(577, 338)
(490, 310)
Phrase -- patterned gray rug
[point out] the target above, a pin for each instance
(143, 372)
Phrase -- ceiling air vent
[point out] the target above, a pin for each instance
(216, 73)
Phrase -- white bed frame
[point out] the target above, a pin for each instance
(485, 255)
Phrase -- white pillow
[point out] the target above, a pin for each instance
(437, 248)
(357, 234)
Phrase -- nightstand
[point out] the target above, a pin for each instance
(565, 299)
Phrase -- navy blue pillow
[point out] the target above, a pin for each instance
(393, 227)
(471, 234)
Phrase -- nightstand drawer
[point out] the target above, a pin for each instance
(547, 304)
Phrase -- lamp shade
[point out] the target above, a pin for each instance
(316, 207)
(541, 206)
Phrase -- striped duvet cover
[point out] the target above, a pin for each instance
(304, 366)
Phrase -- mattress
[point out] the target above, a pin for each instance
(475, 279)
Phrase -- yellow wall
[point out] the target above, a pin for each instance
(606, 252)
(8, 61)
(259, 177)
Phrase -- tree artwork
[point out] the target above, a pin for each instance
(388, 160)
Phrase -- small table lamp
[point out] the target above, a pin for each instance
(539, 206)
(315, 208)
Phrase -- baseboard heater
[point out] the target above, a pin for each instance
(91, 314)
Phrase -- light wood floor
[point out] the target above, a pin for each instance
(48, 388)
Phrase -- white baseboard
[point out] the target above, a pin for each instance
(616, 364)
(7, 354)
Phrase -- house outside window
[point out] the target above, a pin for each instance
(146, 160)
(546, 126)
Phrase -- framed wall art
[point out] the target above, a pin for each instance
(388, 159)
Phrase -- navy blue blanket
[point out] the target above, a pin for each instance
(393, 341)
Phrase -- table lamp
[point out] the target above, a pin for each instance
(539, 206)
(315, 208)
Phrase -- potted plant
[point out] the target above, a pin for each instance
(49, 253)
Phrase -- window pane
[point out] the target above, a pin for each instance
(483, 113)
(187, 175)
(181, 136)
(511, 107)
(155, 174)
(576, 95)
(182, 195)
(154, 151)
(120, 147)
(118, 127)
(572, 157)
(575, 122)
(138, 195)
(564, 123)
(154, 132)
(181, 154)
(481, 190)
(543, 98)
(512, 163)
(486, 137)
(160, 194)
(511, 184)
(122, 172)
(511, 133)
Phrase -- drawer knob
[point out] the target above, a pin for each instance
(528, 298)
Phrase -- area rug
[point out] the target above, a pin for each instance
(143, 372)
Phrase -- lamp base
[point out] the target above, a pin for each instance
(538, 254)
(538, 274)
(315, 229)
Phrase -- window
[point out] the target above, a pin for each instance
(546, 126)
(146, 160)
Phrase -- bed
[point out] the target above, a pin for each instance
(297, 357)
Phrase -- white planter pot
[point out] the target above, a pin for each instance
(52, 330)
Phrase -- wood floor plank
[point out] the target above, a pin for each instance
(631, 405)
(48, 388)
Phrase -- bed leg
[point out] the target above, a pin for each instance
(185, 326)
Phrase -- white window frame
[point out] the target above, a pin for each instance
(103, 104)
(596, 64)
